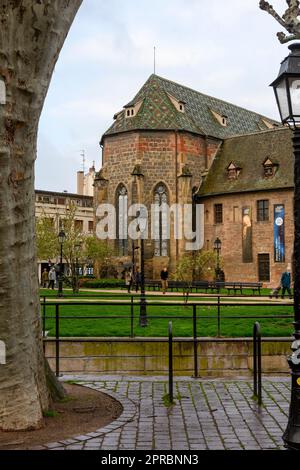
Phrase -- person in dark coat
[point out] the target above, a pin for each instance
(137, 280)
(286, 283)
(164, 279)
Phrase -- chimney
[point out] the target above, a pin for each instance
(80, 183)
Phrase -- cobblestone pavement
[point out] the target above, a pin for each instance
(208, 415)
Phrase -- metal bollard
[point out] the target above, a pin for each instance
(257, 362)
(171, 397)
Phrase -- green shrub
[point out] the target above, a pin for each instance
(101, 283)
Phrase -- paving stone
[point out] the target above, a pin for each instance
(211, 414)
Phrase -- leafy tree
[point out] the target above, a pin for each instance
(46, 238)
(195, 266)
(100, 254)
(78, 248)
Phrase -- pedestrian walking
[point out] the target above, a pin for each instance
(286, 283)
(128, 279)
(45, 278)
(164, 279)
(52, 278)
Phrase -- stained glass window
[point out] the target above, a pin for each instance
(122, 220)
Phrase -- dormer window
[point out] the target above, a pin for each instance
(179, 104)
(221, 118)
(270, 168)
(233, 171)
(131, 111)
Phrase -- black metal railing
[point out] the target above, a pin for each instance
(257, 388)
(194, 318)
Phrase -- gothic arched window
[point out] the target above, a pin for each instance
(161, 228)
(122, 220)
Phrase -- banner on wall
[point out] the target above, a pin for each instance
(247, 235)
(279, 246)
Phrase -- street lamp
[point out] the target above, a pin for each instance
(143, 221)
(287, 92)
(217, 248)
(61, 239)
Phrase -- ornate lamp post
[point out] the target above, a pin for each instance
(287, 92)
(61, 239)
(217, 248)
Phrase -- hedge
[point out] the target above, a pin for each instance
(101, 283)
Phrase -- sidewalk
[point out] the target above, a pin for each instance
(208, 415)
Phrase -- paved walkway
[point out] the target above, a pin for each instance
(208, 415)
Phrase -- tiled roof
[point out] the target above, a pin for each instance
(157, 112)
(251, 152)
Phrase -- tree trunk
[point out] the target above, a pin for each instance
(32, 34)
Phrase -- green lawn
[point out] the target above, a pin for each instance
(230, 327)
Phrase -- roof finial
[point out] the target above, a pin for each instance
(154, 60)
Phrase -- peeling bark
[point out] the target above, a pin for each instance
(32, 33)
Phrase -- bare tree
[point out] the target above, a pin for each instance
(32, 34)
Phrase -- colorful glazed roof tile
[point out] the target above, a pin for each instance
(158, 112)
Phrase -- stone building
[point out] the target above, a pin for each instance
(54, 204)
(173, 144)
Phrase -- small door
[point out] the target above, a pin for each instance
(264, 268)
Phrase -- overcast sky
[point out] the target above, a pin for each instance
(224, 48)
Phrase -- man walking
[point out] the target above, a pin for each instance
(164, 279)
(128, 280)
(286, 283)
(52, 278)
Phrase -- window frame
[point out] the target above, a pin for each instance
(263, 213)
(218, 214)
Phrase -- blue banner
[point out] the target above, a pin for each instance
(279, 247)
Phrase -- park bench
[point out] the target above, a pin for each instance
(213, 286)
(239, 286)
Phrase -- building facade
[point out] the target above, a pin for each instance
(174, 145)
(54, 205)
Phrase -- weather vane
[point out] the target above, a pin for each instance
(289, 20)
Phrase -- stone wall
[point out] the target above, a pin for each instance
(146, 356)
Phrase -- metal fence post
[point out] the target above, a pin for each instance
(219, 316)
(57, 340)
(195, 340)
(257, 388)
(131, 318)
(171, 397)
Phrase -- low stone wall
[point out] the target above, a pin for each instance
(149, 356)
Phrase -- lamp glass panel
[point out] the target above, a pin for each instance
(294, 84)
(282, 96)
